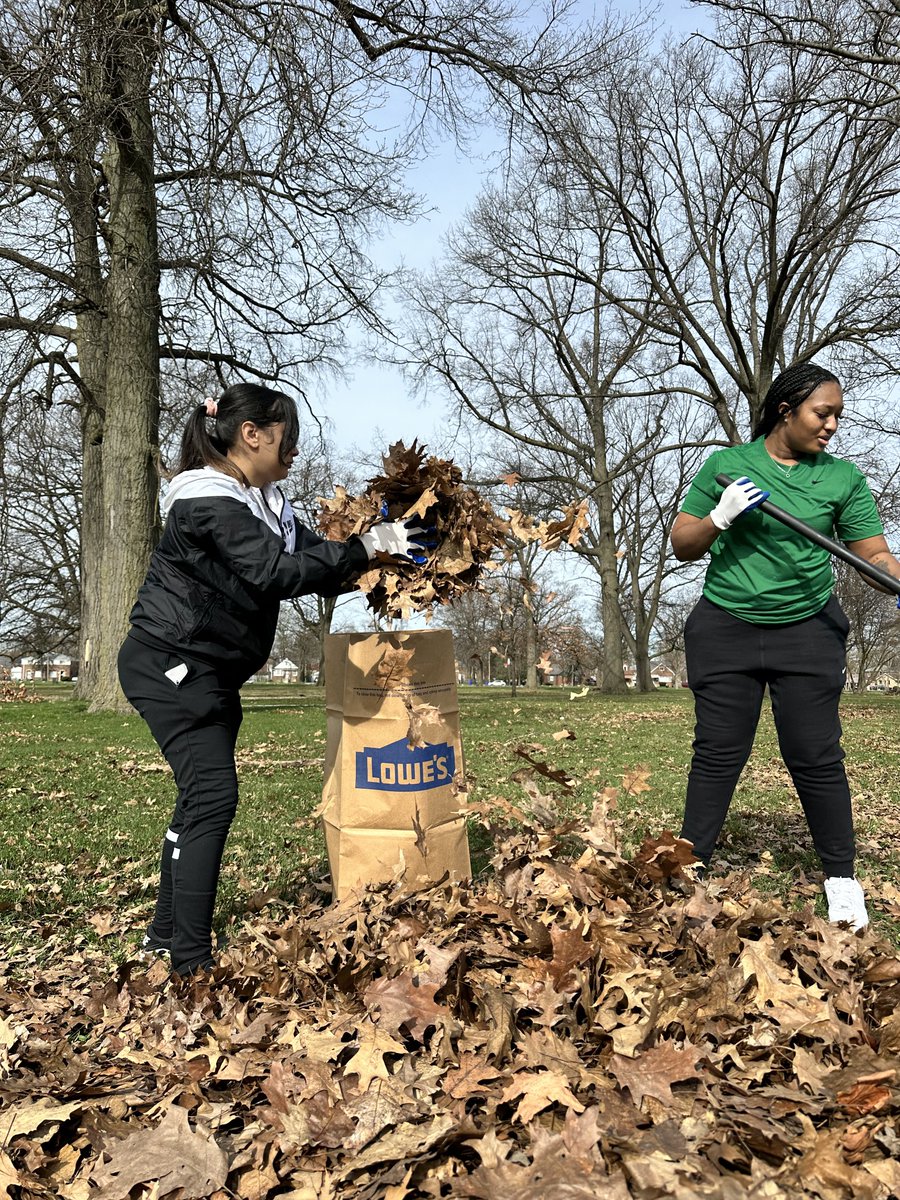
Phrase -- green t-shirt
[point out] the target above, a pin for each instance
(760, 570)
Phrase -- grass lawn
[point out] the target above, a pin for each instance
(85, 799)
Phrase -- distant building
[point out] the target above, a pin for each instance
(662, 677)
(56, 669)
(285, 672)
(883, 683)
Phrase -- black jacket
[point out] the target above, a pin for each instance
(227, 558)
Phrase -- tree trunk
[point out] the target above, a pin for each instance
(531, 651)
(92, 349)
(128, 449)
(326, 615)
(643, 669)
(612, 662)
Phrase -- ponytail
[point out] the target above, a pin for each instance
(214, 426)
(790, 388)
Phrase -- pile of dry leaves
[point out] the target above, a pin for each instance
(18, 693)
(574, 1026)
(468, 530)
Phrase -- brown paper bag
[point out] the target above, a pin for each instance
(390, 801)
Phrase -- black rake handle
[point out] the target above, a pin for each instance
(838, 549)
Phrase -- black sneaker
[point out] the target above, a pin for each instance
(155, 945)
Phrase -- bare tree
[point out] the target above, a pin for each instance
(873, 643)
(668, 645)
(503, 628)
(648, 499)
(39, 570)
(859, 35)
(519, 325)
(757, 188)
(523, 327)
(316, 474)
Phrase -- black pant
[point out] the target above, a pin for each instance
(730, 662)
(195, 723)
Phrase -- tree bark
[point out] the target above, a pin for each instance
(121, 527)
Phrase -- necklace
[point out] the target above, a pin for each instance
(784, 468)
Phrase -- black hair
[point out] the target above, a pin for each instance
(206, 440)
(790, 388)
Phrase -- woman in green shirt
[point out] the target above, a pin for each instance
(768, 617)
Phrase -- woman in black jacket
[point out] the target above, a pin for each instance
(204, 622)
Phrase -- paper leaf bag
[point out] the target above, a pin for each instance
(393, 759)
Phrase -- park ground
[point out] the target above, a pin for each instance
(574, 1023)
(85, 798)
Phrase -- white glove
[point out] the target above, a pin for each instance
(738, 498)
(403, 540)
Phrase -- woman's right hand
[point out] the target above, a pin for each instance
(738, 498)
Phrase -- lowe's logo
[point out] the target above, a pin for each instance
(396, 768)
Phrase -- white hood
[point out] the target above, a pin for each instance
(267, 504)
(207, 481)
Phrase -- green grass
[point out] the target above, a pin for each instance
(84, 800)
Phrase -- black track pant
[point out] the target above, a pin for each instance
(730, 662)
(195, 722)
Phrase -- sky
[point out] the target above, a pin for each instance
(375, 404)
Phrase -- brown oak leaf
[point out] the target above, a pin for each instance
(635, 781)
(539, 1089)
(420, 716)
(394, 667)
(653, 1072)
(172, 1155)
(402, 1004)
(368, 1062)
(664, 856)
(472, 1076)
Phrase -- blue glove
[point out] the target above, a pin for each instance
(738, 498)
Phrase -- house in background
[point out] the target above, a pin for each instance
(56, 669)
(285, 672)
(663, 677)
(883, 683)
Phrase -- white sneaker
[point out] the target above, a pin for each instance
(846, 902)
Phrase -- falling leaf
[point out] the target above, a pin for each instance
(420, 716)
(553, 773)
(664, 856)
